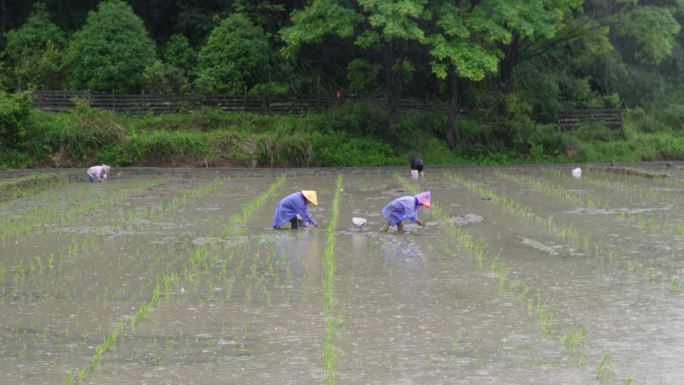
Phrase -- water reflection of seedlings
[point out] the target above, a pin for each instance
(528, 297)
(583, 242)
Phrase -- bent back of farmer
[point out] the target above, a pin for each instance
(293, 205)
(98, 173)
(417, 163)
(404, 208)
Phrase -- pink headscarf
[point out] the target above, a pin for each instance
(424, 199)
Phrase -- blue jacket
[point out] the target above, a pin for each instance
(401, 209)
(288, 208)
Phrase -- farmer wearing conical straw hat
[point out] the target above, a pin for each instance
(404, 208)
(292, 206)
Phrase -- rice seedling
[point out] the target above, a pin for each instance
(528, 297)
(557, 191)
(35, 219)
(676, 287)
(573, 340)
(26, 185)
(167, 279)
(569, 234)
(604, 370)
(581, 200)
(329, 302)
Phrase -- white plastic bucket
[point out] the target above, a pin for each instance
(577, 172)
(414, 174)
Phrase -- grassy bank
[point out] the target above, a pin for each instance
(352, 135)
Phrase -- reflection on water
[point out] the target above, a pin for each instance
(414, 308)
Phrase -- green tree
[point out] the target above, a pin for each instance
(470, 39)
(33, 52)
(14, 113)
(236, 56)
(389, 28)
(462, 42)
(172, 74)
(111, 51)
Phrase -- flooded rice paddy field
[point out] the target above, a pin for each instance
(520, 276)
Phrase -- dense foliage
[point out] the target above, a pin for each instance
(110, 52)
(506, 68)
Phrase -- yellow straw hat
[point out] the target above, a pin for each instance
(310, 196)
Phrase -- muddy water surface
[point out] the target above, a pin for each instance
(244, 304)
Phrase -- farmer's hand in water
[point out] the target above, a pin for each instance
(420, 223)
(315, 224)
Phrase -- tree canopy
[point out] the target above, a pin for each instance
(111, 51)
(511, 58)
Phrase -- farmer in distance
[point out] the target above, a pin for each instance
(98, 173)
(293, 206)
(417, 164)
(404, 208)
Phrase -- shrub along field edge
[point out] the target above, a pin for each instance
(350, 135)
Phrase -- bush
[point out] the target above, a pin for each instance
(75, 139)
(595, 131)
(672, 117)
(341, 149)
(167, 147)
(231, 147)
(352, 118)
(14, 114)
(550, 139)
(288, 150)
(638, 120)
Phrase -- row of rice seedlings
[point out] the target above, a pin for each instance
(555, 190)
(223, 257)
(605, 372)
(633, 266)
(22, 186)
(531, 298)
(582, 242)
(268, 271)
(38, 266)
(562, 193)
(635, 191)
(35, 219)
(163, 285)
(158, 210)
(332, 317)
(633, 172)
(573, 339)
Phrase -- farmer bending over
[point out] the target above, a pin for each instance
(98, 173)
(293, 205)
(417, 164)
(404, 208)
